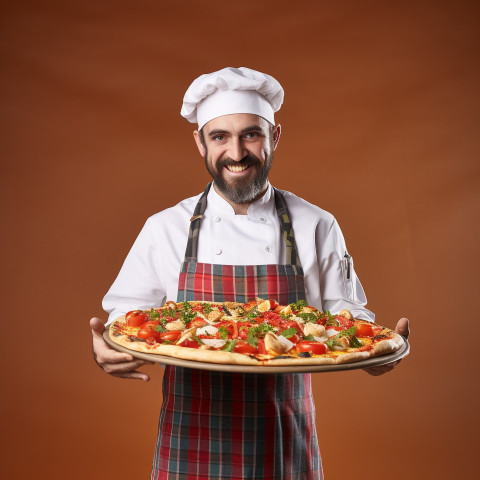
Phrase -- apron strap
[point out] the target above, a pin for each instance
(291, 254)
(283, 216)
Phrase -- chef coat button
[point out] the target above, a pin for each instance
(263, 220)
(217, 219)
(268, 248)
(218, 251)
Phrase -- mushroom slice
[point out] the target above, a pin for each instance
(175, 325)
(215, 316)
(314, 329)
(341, 343)
(278, 344)
(286, 310)
(264, 306)
(346, 313)
(187, 334)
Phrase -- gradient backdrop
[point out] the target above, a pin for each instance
(380, 127)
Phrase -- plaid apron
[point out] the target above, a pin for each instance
(222, 425)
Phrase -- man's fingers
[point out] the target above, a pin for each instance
(108, 355)
(403, 328)
(122, 367)
(133, 375)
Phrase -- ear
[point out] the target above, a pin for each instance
(198, 141)
(277, 131)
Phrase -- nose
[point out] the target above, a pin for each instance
(236, 149)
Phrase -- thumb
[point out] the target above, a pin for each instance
(97, 326)
(402, 327)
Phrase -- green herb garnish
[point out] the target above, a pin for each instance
(223, 333)
(207, 308)
(229, 346)
(289, 332)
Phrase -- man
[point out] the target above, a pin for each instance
(222, 425)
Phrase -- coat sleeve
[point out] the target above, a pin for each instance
(138, 284)
(339, 284)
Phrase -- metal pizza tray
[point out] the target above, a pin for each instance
(178, 362)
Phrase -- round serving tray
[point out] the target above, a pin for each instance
(178, 362)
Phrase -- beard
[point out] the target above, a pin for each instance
(243, 190)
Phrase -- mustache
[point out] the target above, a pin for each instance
(246, 161)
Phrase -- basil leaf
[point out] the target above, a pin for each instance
(229, 346)
(153, 314)
(289, 332)
(223, 333)
(309, 338)
(355, 342)
(207, 308)
(308, 317)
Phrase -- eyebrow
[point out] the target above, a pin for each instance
(253, 128)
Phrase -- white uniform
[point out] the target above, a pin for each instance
(149, 275)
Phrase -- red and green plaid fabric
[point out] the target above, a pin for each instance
(239, 283)
(217, 425)
(222, 425)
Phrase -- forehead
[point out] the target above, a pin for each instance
(234, 123)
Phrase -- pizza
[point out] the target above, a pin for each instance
(259, 333)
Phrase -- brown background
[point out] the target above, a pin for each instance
(380, 127)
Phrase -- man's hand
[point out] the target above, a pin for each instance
(403, 329)
(112, 362)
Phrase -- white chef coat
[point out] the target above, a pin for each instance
(149, 275)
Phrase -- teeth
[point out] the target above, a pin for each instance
(237, 168)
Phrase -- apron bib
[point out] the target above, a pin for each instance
(221, 425)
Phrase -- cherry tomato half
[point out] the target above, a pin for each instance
(135, 318)
(344, 322)
(170, 336)
(245, 348)
(189, 343)
(197, 322)
(313, 347)
(147, 333)
(364, 330)
(261, 347)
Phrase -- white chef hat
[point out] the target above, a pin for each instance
(232, 90)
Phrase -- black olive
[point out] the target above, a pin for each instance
(304, 354)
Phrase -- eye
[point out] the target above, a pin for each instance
(251, 134)
(217, 137)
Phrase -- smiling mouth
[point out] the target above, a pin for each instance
(236, 168)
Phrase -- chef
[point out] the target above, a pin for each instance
(238, 239)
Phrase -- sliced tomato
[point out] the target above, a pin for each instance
(364, 330)
(198, 308)
(344, 322)
(313, 347)
(245, 348)
(148, 333)
(152, 325)
(273, 304)
(261, 347)
(249, 305)
(334, 327)
(135, 318)
(197, 322)
(295, 325)
(189, 343)
(171, 336)
(243, 328)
